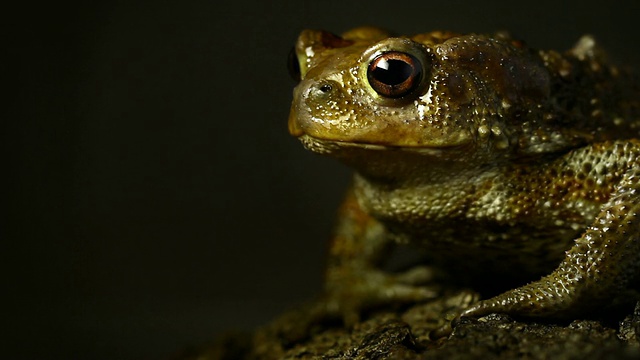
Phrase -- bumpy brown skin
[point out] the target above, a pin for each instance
(503, 162)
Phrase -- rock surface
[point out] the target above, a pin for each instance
(404, 334)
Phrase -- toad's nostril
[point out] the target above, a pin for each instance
(325, 88)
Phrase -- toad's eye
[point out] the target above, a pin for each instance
(394, 74)
(293, 65)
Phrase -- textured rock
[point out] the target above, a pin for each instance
(404, 334)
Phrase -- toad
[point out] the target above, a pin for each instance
(509, 167)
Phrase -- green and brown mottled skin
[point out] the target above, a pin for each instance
(503, 163)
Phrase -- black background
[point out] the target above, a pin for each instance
(154, 196)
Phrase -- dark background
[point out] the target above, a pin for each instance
(155, 197)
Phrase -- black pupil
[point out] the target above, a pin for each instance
(396, 72)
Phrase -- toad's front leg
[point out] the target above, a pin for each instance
(601, 262)
(355, 278)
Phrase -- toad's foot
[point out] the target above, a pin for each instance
(349, 294)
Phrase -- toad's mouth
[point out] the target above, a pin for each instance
(392, 163)
(382, 135)
(325, 146)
